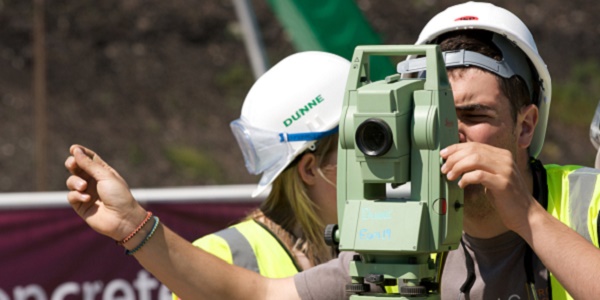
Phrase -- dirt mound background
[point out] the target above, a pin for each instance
(152, 85)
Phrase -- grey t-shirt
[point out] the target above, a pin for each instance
(499, 269)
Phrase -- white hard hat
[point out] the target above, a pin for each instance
(295, 103)
(486, 16)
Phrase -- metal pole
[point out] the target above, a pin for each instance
(39, 94)
(252, 37)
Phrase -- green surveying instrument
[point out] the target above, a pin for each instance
(391, 133)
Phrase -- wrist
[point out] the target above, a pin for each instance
(535, 218)
(136, 230)
(147, 236)
(131, 222)
(142, 232)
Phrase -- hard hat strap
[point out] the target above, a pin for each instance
(514, 62)
(306, 136)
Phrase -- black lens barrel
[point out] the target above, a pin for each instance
(374, 137)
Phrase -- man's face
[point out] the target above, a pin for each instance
(484, 116)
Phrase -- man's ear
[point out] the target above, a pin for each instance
(307, 168)
(527, 120)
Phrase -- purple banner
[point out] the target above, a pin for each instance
(52, 254)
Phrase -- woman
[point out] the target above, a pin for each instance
(288, 132)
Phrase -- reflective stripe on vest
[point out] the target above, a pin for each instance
(241, 251)
(574, 199)
(250, 245)
(581, 194)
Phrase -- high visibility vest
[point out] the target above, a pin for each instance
(574, 199)
(251, 246)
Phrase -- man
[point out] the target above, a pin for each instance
(515, 208)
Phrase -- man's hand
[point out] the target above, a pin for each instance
(100, 195)
(496, 170)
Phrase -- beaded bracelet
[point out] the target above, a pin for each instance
(136, 249)
(131, 235)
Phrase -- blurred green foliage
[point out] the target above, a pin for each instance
(235, 82)
(193, 164)
(574, 100)
(136, 154)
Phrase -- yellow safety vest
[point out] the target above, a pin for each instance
(574, 199)
(250, 245)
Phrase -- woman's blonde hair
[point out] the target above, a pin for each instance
(288, 204)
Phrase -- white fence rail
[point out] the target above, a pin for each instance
(217, 193)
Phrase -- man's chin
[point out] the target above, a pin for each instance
(477, 205)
